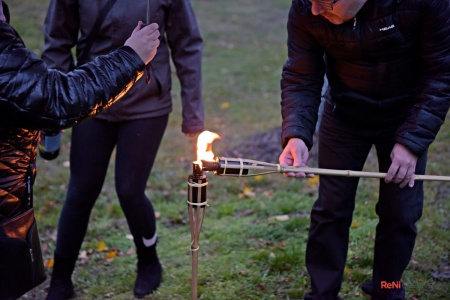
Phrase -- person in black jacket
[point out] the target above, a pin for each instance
(134, 127)
(388, 70)
(34, 97)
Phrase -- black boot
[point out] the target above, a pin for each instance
(367, 287)
(149, 272)
(148, 279)
(61, 287)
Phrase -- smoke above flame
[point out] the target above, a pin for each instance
(204, 145)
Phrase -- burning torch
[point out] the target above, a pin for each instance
(197, 201)
(240, 167)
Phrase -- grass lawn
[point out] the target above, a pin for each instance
(253, 239)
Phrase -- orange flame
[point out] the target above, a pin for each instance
(204, 145)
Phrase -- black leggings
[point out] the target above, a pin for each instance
(92, 143)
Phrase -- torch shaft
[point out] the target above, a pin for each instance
(197, 203)
(148, 12)
(247, 164)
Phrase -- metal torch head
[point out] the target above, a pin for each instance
(223, 166)
(210, 166)
(197, 168)
(197, 183)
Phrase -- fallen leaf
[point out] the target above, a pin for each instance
(258, 177)
(355, 224)
(282, 218)
(111, 254)
(268, 193)
(313, 182)
(243, 213)
(441, 275)
(83, 254)
(225, 105)
(248, 192)
(101, 247)
(49, 263)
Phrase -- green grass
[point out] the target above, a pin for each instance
(245, 251)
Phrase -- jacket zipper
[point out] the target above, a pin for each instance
(354, 23)
(29, 188)
(29, 202)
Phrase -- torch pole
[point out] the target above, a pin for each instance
(147, 67)
(240, 167)
(197, 203)
(148, 12)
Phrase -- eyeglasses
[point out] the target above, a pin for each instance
(325, 4)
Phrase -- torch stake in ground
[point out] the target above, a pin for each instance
(197, 203)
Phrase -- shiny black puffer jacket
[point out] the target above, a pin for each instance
(33, 97)
(389, 66)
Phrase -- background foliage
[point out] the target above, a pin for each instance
(253, 240)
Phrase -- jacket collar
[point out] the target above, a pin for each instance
(6, 11)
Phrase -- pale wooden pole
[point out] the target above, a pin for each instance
(197, 203)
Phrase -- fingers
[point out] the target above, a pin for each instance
(394, 174)
(138, 27)
(144, 41)
(402, 167)
(295, 154)
(400, 175)
(149, 29)
(411, 181)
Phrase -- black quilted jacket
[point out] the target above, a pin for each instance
(33, 97)
(389, 66)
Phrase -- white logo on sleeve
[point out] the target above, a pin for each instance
(387, 28)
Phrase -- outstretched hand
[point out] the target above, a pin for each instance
(402, 167)
(144, 41)
(295, 154)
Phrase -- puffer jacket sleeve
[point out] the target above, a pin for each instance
(433, 99)
(186, 46)
(302, 80)
(35, 97)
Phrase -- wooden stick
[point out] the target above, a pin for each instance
(148, 12)
(248, 164)
(197, 204)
